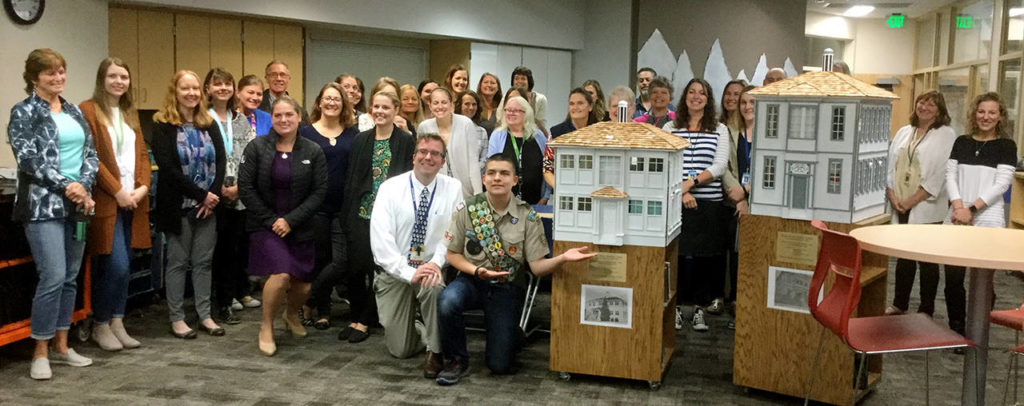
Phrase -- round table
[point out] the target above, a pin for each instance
(981, 250)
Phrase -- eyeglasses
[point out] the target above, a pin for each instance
(335, 100)
(514, 111)
(433, 153)
(274, 75)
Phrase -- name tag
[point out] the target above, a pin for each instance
(745, 179)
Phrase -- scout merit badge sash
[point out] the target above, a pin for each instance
(484, 237)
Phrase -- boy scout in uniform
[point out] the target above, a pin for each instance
(493, 240)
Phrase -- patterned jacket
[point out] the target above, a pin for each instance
(33, 136)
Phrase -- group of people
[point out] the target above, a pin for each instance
(418, 199)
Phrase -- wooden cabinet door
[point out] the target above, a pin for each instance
(156, 57)
(192, 43)
(288, 48)
(123, 41)
(226, 45)
(258, 48)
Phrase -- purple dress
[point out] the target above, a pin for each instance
(270, 254)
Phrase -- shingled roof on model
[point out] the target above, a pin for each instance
(609, 192)
(823, 84)
(621, 135)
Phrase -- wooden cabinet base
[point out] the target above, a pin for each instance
(774, 349)
(644, 349)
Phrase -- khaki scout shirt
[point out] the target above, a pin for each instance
(519, 228)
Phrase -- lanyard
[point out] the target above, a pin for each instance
(412, 191)
(515, 147)
(225, 132)
(119, 132)
(912, 146)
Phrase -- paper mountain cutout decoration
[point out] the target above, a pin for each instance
(656, 54)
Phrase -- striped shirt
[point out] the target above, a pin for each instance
(707, 152)
(981, 170)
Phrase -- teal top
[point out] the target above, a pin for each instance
(72, 142)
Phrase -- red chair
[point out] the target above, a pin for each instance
(839, 255)
(1013, 319)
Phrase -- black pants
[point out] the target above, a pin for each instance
(732, 253)
(705, 276)
(230, 257)
(956, 298)
(956, 295)
(331, 260)
(359, 275)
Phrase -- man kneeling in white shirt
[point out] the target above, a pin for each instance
(410, 215)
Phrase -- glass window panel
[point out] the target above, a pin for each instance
(973, 40)
(954, 87)
(610, 170)
(1009, 82)
(944, 25)
(653, 207)
(565, 202)
(656, 165)
(636, 164)
(636, 207)
(584, 203)
(586, 162)
(567, 162)
(1014, 37)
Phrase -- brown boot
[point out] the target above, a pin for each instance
(432, 365)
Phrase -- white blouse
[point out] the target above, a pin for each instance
(123, 143)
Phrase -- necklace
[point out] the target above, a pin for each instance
(977, 150)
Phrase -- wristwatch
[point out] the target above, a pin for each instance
(973, 209)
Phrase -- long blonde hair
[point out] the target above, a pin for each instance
(99, 95)
(168, 113)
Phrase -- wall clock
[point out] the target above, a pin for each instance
(24, 11)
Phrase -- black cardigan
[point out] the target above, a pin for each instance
(360, 164)
(173, 186)
(308, 184)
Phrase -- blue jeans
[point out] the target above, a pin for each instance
(502, 305)
(57, 256)
(110, 272)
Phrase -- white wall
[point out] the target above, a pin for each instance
(606, 45)
(64, 27)
(330, 53)
(875, 48)
(556, 24)
(880, 49)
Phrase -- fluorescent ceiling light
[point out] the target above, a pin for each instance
(859, 11)
(1016, 11)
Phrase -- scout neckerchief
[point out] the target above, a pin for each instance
(486, 234)
(419, 227)
(225, 130)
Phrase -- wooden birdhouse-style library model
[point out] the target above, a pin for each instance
(820, 148)
(618, 184)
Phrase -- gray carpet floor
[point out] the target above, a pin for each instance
(319, 370)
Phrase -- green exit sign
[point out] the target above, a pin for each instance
(964, 22)
(895, 21)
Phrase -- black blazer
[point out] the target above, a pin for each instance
(172, 185)
(360, 164)
(309, 184)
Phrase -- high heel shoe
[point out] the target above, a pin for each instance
(267, 349)
(294, 326)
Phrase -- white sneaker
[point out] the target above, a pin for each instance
(250, 302)
(698, 320)
(71, 358)
(40, 369)
(235, 305)
(679, 318)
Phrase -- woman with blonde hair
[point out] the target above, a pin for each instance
(518, 137)
(189, 151)
(389, 85)
(377, 154)
(411, 110)
(122, 200)
(467, 142)
(979, 170)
